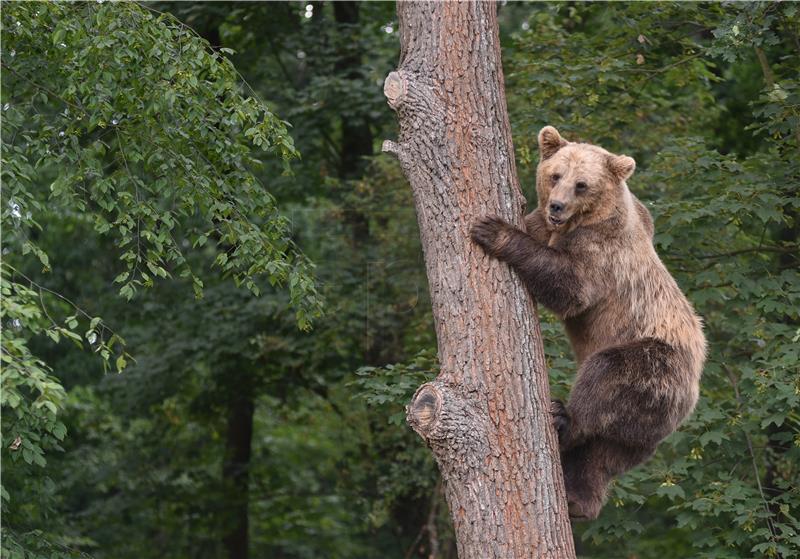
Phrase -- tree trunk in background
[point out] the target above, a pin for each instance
(487, 416)
(356, 134)
(236, 466)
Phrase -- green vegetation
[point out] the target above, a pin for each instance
(672, 85)
(148, 178)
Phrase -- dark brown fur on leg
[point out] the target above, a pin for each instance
(620, 408)
(588, 469)
(628, 394)
(584, 481)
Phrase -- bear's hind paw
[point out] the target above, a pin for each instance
(560, 418)
(585, 511)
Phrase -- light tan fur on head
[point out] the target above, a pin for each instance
(586, 180)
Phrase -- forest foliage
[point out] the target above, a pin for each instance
(170, 172)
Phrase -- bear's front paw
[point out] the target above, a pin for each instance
(488, 232)
(560, 419)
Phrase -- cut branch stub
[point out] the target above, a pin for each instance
(395, 149)
(395, 88)
(417, 101)
(452, 426)
(423, 411)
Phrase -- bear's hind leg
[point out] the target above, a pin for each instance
(629, 394)
(625, 400)
(583, 499)
(589, 468)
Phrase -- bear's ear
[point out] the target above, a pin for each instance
(550, 141)
(621, 166)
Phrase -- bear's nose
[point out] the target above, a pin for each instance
(556, 207)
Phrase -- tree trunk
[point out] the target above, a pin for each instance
(487, 416)
(236, 467)
(356, 134)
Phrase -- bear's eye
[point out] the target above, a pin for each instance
(555, 178)
(581, 186)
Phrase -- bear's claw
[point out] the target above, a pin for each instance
(560, 418)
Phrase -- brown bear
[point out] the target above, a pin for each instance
(588, 256)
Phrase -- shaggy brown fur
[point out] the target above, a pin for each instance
(588, 256)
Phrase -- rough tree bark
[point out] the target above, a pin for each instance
(486, 417)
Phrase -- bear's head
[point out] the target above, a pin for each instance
(579, 183)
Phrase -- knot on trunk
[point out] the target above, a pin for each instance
(423, 411)
(424, 121)
(395, 87)
(416, 99)
(451, 424)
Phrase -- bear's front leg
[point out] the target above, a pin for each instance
(550, 275)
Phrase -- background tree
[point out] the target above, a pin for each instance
(86, 141)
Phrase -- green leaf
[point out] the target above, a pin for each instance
(121, 363)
